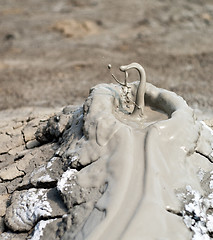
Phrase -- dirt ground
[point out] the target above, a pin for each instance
(52, 52)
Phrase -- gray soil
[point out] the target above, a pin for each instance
(52, 52)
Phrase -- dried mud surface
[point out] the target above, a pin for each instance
(52, 52)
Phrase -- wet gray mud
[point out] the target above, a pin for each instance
(64, 47)
(87, 173)
(64, 172)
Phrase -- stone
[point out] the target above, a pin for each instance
(32, 144)
(29, 206)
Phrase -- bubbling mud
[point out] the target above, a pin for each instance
(150, 116)
(124, 167)
(145, 157)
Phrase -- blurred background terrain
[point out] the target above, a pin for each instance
(52, 52)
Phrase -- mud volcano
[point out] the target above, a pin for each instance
(132, 163)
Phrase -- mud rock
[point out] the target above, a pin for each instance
(2, 227)
(25, 163)
(10, 172)
(5, 160)
(32, 144)
(52, 129)
(30, 129)
(3, 204)
(29, 206)
(13, 236)
(3, 188)
(197, 207)
(6, 140)
(45, 175)
(11, 186)
(40, 176)
(10, 141)
(71, 226)
(72, 139)
(36, 157)
(75, 191)
(204, 145)
(55, 167)
(14, 170)
(14, 150)
(209, 122)
(46, 229)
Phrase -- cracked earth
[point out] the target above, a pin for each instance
(24, 179)
(64, 49)
(34, 157)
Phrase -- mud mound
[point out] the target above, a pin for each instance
(77, 173)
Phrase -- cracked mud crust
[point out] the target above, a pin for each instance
(46, 62)
(88, 165)
(36, 188)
